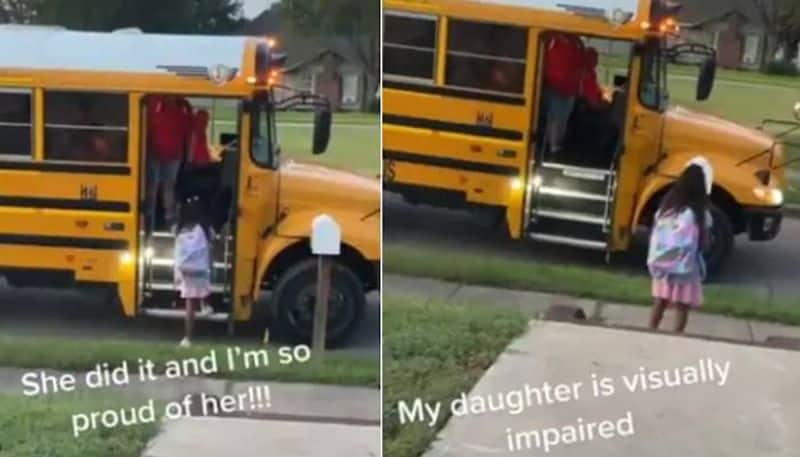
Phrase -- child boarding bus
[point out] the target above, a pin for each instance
(465, 122)
(73, 142)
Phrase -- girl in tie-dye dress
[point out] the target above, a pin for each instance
(675, 259)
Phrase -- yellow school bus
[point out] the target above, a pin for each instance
(464, 120)
(71, 214)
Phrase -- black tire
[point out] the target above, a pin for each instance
(721, 241)
(295, 296)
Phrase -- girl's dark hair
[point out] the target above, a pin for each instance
(194, 211)
(689, 191)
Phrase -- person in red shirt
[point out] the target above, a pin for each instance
(590, 89)
(168, 130)
(200, 148)
(563, 61)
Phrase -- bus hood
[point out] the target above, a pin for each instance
(312, 186)
(703, 134)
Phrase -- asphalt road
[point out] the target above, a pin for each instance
(53, 313)
(769, 265)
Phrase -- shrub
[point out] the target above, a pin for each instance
(783, 68)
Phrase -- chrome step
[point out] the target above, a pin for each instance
(171, 236)
(556, 239)
(170, 287)
(166, 262)
(162, 313)
(572, 171)
(567, 193)
(569, 216)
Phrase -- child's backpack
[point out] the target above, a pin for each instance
(192, 259)
(675, 246)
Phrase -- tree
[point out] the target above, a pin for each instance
(781, 20)
(17, 11)
(358, 21)
(158, 16)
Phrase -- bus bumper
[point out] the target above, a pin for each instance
(763, 224)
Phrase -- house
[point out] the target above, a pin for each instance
(733, 27)
(327, 66)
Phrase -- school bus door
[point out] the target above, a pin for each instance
(257, 194)
(643, 133)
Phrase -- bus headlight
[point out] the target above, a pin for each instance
(126, 258)
(516, 184)
(770, 195)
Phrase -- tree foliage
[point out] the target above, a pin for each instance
(781, 19)
(17, 11)
(172, 16)
(357, 20)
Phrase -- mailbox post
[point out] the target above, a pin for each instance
(326, 240)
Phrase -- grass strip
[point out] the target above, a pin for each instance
(83, 355)
(338, 118)
(435, 352)
(579, 281)
(36, 427)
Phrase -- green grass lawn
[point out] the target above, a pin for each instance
(354, 147)
(580, 281)
(80, 355)
(354, 143)
(435, 352)
(42, 427)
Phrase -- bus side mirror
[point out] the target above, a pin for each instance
(705, 81)
(322, 131)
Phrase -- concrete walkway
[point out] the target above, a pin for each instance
(534, 305)
(295, 423)
(214, 437)
(755, 411)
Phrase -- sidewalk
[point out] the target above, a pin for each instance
(296, 423)
(215, 437)
(754, 412)
(535, 304)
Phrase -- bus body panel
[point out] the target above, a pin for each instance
(71, 205)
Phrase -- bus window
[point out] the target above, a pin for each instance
(86, 127)
(409, 46)
(264, 144)
(487, 57)
(16, 122)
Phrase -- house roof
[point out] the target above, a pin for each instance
(699, 12)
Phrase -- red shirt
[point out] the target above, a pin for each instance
(200, 153)
(168, 126)
(563, 60)
(590, 90)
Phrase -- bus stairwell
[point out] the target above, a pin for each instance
(572, 205)
(161, 294)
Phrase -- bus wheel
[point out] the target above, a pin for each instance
(721, 237)
(295, 298)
